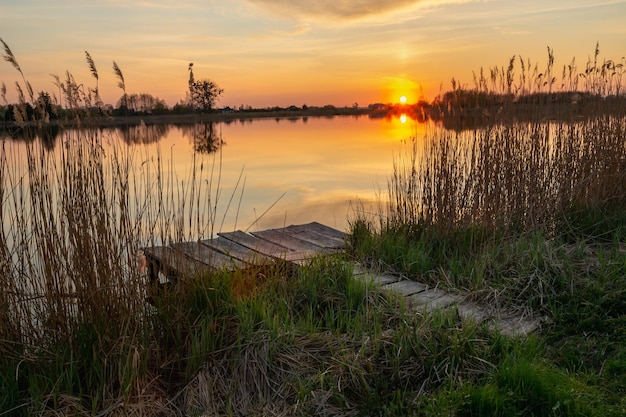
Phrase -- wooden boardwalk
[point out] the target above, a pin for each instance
(297, 244)
(234, 250)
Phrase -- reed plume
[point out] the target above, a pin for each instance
(9, 57)
(94, 73)
(118, 73)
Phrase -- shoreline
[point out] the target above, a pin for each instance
(188, 118)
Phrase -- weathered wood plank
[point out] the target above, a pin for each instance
(172, 263)
(324, 230)
(300, 257)
(235, 250)
(376, 278)
(515, 326)
(278, 237)
(316, 235)
(260, 245)
(406, 287)
(444, 301)
(470, 311)
(432, 298)
(213, 258)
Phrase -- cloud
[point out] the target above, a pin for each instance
(299, 29)
(334, 9)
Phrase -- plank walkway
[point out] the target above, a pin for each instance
(296, 244)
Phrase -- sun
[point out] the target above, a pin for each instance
(403, 99)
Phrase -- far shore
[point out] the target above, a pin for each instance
(190, 118)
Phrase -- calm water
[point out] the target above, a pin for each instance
(289, 171)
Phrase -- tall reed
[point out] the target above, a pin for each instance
(73, 313)
(524, 166)
(511, 177)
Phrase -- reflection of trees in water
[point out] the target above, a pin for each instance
(143, 133)
(47, 134)
(204, 136)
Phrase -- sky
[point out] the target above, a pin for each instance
(266, 53)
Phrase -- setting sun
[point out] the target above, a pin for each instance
(403, 99)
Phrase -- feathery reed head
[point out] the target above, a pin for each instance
(118, 73)
(9, 57)
(92, 65)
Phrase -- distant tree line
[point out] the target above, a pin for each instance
(76, 100)
(143, 103)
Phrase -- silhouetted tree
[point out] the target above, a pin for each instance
(202, 93)
(144, 103)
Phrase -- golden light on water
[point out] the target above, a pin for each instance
(403, 118)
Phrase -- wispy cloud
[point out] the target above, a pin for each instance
(298, 29)
(334, 9)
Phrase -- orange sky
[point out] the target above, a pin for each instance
(282, 52)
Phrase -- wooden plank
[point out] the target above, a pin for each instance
(429, 299)
(325, 230)
(259, 245)
(172, 263)
(359, 269)
(316, 235)
(515, 326)
(377, 278)
(208, 256)
(386, 279)
(470, 311)
(278, 237)
(300, 255)
(406, 287)
(315, 238)
(441, 302)
(235, 250)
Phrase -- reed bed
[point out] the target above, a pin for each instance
(509, 178)
(77, 335)
(73, 288)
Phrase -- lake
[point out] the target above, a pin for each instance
(274, 172)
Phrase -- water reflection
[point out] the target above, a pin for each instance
(307, 169)
(47, 134)
(204, 136)
(143, 133)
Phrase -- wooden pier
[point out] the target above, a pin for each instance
(296, 244)
(234, 250)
